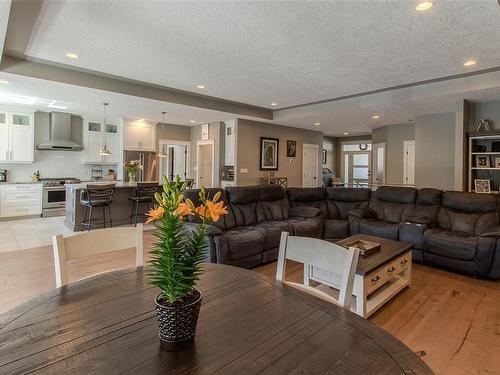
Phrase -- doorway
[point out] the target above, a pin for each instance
(310, 155)
(205, 164)
(177, 161)
(356, 163)
(378, 165)
(409, 163)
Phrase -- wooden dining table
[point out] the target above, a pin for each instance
(248, 324)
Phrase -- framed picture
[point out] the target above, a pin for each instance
(291, 149)
(269, 154)
(482, 186)
(482, 161)
(204, 132)
(497, 162)
(323, 156)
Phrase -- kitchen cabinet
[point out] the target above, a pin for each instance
(20, 200)
(139, 136)
(229, 142)
(95, 138)
(16, 137)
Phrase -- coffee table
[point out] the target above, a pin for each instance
(379, 277)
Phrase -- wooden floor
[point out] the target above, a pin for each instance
(452, 319)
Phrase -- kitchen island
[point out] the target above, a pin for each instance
(121, 207)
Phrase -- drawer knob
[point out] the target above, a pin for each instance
(377, 278)
(392, 269)
(404, 261)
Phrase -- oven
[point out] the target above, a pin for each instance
(54, 200)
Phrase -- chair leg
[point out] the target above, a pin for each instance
(132, 213)
(137, 212)
(84, 222)
(110, 219)
(104, 216)
(90, 219)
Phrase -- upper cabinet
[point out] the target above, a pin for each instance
(95, 136)
(139, 136)
(229, 142)
(16, 137)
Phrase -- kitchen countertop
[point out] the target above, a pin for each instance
(20, 182)
(118, 184)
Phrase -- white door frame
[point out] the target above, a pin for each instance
(342, 154)
(203, 143)
(316, 147)
(375, 148)
(405, 161)
(165, 142)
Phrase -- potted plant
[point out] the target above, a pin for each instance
(176, 260)
(132, 167)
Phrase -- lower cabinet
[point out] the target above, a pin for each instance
(20, 200)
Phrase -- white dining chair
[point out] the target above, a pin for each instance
(319, 254)
(95, 242)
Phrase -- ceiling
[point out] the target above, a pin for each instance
(293, 54)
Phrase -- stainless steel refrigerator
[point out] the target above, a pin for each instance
(149, 161)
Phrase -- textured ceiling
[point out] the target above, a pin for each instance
(262, 52)
(4, 15)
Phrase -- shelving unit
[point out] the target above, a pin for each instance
(478, 141)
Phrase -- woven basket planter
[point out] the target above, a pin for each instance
(177, 324)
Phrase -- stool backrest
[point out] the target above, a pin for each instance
(146, 189)
(100, 192)
(96, 242)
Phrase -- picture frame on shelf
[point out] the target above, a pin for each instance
(497, 162)
(482, 161)
(269, 154)
(482, 186)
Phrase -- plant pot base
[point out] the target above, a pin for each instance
(174, 346)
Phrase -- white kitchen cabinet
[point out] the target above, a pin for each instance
(95, 139)
(16, 137)
(20, 200)
(229, 142)
(139, 136)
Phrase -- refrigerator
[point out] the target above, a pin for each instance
(149, 162)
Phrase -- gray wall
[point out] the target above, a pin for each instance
(331, 146)
(248, 151)
(173, 132)
(393, 137)
(485, 111)
(435, 151)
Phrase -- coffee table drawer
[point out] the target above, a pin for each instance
(375, 279)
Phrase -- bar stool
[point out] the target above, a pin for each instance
(97, 196)
(144, 193)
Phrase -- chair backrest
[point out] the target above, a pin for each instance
(96, 242)
(146, 189)
(320, 254)
(100, 192)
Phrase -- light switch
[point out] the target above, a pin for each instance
(243, 170)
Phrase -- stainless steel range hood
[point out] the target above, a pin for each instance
(59, 134)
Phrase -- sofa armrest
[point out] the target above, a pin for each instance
(420, 220)
(362, 213)
(304, 212)
(492, 231)
(210, 230)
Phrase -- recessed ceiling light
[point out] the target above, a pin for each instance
(424, 5)
(201, 87)
(274, 104)
(375, 117)
(4, 82)
(54, 105)
(192, 121)
(470, 62)
(317, 124)
(346, 133)
(72, 55)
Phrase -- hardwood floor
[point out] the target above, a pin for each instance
(454, 319)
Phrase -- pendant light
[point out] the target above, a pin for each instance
(163, 153)
(104, 150)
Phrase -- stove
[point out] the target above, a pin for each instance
(54, 195)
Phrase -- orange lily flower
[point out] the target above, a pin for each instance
(202, 211)
(155, 213)
(215, 210)
(184, 209)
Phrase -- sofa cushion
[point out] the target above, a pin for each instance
(226, 221)
(272, 203)
(392, 204)
(335, 229)
(243, 202)
(272, 232)
(239, 243)
(341, 200)
(456, 245)
(306, 227)
(426, 206)
(307, 197)
(379, 228)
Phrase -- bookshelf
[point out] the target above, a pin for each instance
(484, 159)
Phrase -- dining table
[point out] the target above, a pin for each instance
(248, 324)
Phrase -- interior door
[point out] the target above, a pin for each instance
(409, 163)
(310, 165)
(205, 165)
(378, 165)
(359, 168)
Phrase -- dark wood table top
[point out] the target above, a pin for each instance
(389, 250)
(248, 324)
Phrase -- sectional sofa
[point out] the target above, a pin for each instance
(451, 230)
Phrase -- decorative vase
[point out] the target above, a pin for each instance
(177, 322)
(131, 177)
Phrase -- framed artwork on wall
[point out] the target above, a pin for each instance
(482, 186)
(291, 149)
(269, 154)
(323, 156)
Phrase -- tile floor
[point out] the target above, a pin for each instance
(30, 233)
